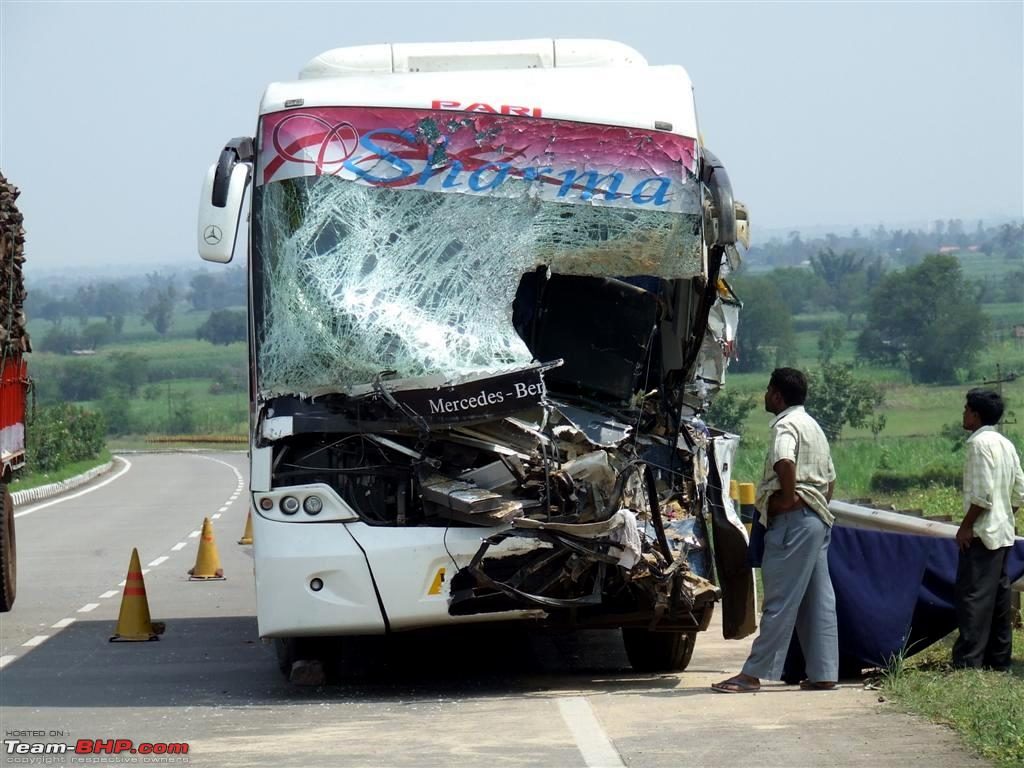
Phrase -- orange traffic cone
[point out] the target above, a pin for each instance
(133, 623)
(247, 533)
(207, 567)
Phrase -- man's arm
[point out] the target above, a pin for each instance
(965, 533)
(786, 498)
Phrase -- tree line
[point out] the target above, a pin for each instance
(926, 318)
(902, 248)
(75, 311)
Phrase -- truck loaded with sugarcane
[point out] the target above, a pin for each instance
(14, 381)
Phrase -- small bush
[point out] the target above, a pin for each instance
(895, 481)
(62, 434)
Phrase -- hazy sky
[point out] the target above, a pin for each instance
(825, 114)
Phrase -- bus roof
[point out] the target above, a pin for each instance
(616, 87)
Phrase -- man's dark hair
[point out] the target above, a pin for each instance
(987, 404)
(791, 384)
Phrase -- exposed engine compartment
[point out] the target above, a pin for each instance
(587, 456)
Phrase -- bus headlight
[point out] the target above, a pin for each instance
(289, 505)
(313, 505)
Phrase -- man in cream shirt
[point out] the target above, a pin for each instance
(993, 491)
(792, 500)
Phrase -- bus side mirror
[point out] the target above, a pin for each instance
(220, 203)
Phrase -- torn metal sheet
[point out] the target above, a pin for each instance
(600, 430)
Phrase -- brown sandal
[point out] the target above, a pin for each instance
(735, 685)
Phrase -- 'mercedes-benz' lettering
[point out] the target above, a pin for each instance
(519, 391)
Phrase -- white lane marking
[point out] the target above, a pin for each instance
(194, 534)
(5, 660)
(88, 607)
(158, 561)
(223, 509)
(238, 474)
(37, 640)
(591, 740)
(215, 516)
(112, 478)
(63, 623)
(179, 546)
(233, 496)
(109, 593)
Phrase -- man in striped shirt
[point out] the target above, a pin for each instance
(993, 492)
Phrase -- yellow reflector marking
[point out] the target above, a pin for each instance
(435, 587)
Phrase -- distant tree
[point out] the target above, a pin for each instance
(128, 372)
(82, 379)
(113, 300)
(833, 267)
(1013, 287)
(1010, 240)
(60, 340)
(829, 341)
(800, 288)
(836, 398)
(765, 338)
(157, 298)
(729, 410)
(223, 326)
(96, 334)
(182, 418)
(160, 314)
(927, 318)
(203, 291)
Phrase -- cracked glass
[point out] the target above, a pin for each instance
(395, 240)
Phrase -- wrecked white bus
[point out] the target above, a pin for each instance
(487, 313)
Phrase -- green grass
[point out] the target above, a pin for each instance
(985, 708)
(214, 413)
(28, 480)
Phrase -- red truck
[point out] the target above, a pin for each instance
(14, 381)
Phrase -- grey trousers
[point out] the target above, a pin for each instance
(797, 594)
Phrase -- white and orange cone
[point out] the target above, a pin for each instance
(133, 623)
(247, 533)
(207, 567)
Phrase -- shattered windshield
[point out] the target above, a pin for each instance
(396, 239)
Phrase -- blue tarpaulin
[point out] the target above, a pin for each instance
(894, 594)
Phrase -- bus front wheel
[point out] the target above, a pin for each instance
(658, 651)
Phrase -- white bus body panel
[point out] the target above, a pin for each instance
(287, 557)
(406, 563)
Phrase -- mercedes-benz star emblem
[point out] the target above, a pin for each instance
(212, 234)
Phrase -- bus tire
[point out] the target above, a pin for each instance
(8, 552)
(658, 651)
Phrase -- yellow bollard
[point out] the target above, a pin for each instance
(747, 497)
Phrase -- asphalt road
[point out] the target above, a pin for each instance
(479, 696)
